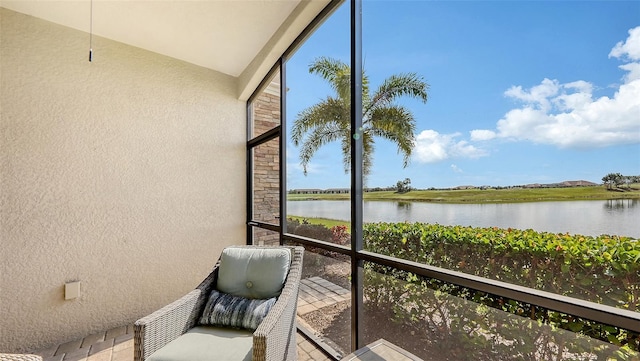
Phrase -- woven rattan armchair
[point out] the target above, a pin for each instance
(19, 357)
(274, 339)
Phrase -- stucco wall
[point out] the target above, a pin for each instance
(126, 174)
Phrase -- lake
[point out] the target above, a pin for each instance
(591, 218)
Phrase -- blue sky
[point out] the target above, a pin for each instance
(520, 91)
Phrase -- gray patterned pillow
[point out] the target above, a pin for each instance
(227, 310)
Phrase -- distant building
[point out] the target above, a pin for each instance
(337, 190)
(465, 187)
(307, 191)
(578, 183)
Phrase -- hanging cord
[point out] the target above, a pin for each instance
(91, 31)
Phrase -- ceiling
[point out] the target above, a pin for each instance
(241, 38)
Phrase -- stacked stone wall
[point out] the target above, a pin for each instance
(266, 167)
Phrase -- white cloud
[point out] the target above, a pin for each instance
(432, 147)
(580, 85)
(538, 95)
(630, 48)
(482, 134)
(633, 72)
(456, 169)
(567, 115)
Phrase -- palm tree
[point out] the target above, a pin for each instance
(329, 120)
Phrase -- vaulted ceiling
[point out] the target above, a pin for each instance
(241, 38)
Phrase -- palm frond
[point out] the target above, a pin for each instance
(367, 153)
(345, 145)
(318, 125)
(318, 137)
(396, 124)
(395, 86)
(330, 110)
(336, 72)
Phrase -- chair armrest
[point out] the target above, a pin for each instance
(275, 337)
(19, 357)
(154, 331)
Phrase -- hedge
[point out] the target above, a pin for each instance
(602, 269)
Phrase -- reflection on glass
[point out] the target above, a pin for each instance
(265, 237)
(266, 182)
(324, 230)
(324, 303)
(440, 321)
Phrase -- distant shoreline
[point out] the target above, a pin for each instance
(479, 196)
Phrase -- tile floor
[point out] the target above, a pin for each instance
(117, 344)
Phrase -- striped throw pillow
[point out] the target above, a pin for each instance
(227, 310)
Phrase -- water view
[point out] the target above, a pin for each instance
(591, 218)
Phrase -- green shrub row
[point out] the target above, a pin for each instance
(602, 269)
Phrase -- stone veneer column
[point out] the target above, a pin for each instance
(266, 163)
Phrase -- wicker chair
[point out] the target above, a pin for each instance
(274, 339)
(19, 357)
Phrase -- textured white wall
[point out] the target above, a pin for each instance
(126, 174)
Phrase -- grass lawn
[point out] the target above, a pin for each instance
(512, 195)
(329, 223)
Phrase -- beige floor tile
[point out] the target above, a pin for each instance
(318, 355)
(69, 347)
(49, 352)
(54, 358)
(306, 309)
(104, 355)
(122, 344)
(306, 346)
(77, 355)
(115, 332)
(117, 344)
(91, 339)
(123, 354)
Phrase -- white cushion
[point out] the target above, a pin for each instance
(253, 272)
(204, 343)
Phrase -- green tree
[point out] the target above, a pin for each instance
(403, 186)
(631, 179)
(330, 119)
(608, 180)
(613, 180)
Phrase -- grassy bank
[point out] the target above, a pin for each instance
(512, 195)
(329, 223)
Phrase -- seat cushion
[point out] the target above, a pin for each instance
(223, 309)
(253, 272)
(205, 343)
